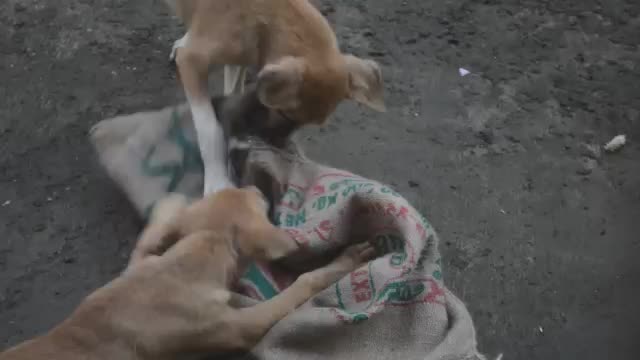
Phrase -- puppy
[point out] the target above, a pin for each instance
(173, 303)
(244, 116)
(302, 73)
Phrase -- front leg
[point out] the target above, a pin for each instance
(163, 229)
(253, 323)
(193, 67)
(234, 79)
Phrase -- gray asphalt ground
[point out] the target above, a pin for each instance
(539, 227)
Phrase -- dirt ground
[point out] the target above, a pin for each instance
(539, 227)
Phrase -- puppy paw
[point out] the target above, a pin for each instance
(176, 45)
(355, 256)
(172, 54)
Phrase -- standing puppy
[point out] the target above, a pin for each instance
(302, 72)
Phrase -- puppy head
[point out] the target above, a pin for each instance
(310, 90)
(253, 235)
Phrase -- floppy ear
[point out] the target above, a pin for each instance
(365, 82)
(279, 83)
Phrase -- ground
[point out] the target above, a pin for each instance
(538, 225)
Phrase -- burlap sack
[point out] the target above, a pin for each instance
(396, 307)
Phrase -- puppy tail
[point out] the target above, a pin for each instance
(168, 208)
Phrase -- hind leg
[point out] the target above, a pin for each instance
(234, 78)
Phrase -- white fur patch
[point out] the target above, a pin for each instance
(168, 208)
(212, 147)
(221, 295)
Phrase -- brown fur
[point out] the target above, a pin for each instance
(303, 71)
(170, 304)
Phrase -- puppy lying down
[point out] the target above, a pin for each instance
(174, 298)
(168, 304)
(395, 307)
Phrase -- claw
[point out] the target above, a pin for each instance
(176, 45)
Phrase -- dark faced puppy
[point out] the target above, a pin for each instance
(243, 116)
(246, 121)
(249, 126)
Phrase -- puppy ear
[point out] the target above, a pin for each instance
(365, 82)
(279, 83)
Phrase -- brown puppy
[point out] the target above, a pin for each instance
(177, 304)
(302, 72)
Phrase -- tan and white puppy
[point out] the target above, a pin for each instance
(173, 300)
(301, 71)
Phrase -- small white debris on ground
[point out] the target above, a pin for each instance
(540, 329)
(463, 72)
(6, 203)
(616, 143)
